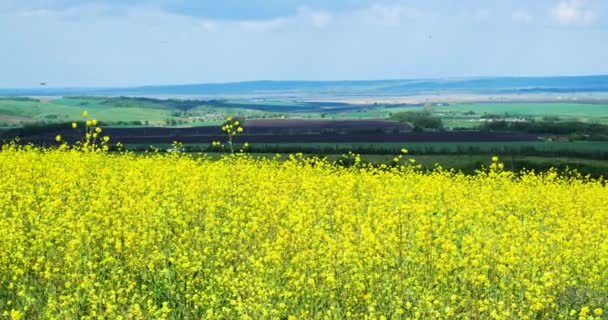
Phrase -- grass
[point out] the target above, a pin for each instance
(16, 112)
(551, 150)
(583, 156)
(466, 163)
(578, 111)
(448, 147)
(68, 110)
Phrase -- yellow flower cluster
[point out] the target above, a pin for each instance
(232, 126)
(92, 141)
(88, 235)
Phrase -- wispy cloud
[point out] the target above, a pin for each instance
(83, 11)
(571, 12)
(305, 17)
(65, 6)
(261, 25)
(522, 17)
(318, 18)
(235, 10)
(310, 17)
(86, 42)
(390, 15)
(209, 25)
(482, 14)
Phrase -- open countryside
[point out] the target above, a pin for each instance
(528, 132)
(303, 159)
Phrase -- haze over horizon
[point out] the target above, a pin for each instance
(95, 43)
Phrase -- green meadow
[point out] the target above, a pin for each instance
(124, 111)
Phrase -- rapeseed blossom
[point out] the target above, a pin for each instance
(169, 236)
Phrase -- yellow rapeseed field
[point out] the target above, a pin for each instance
(99, 235)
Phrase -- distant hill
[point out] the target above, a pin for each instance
(313, 89)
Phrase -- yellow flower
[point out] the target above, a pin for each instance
(117, 224)
(495, 159)
(16, 315)
(94, 122)
(58, 138)
(404, 150)
(85, 113)
(74, 125)
(89, 123)
(106, 138)
(98, 130)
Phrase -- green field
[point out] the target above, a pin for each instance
(453, 146)
(59, 110)
(466, 163)
(588, 156)
(568, 110)
(449, 147)
(469, 114)
(18, 111)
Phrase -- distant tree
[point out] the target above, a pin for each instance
(490, 116)
(551, 118)
(419, 120)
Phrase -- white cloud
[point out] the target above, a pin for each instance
(209, 25)
(482, 14)
(522, 17)
(305, 16)
(386, 15)
(389, 15)
(571, 12)
(84, 11)
(320, 19)
(261, 25)
(36, 13)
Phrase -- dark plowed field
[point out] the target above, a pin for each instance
(320, 123)
(290, 131)
(468, 136)
(277, 127)
(137, 137)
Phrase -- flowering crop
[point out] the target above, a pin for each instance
(116, 235)
(231, 128)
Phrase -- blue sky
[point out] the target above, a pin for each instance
(141, 42)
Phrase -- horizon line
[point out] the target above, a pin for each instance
(44, 87)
